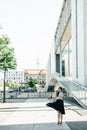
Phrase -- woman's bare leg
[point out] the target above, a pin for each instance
(61, 117)
(58, 117)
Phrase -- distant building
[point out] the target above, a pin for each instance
(15, 75)
(38, 74)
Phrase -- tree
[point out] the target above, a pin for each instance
(4, 41)
(32, 83)
(7, 58)
(13, 84)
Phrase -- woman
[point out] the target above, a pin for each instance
(58, 104)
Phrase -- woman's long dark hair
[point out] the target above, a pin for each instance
(57, 93)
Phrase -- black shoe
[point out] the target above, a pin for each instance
(61, 122)
(58, 123)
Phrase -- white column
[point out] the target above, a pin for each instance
(68, 59)
(60, 61)
(85, 40)
(78, 40)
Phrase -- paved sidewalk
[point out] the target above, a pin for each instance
(34, 115)
(31, 115)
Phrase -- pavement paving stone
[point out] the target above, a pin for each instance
(41, 126)
(30, 115)
(34, 115)
(17, 127)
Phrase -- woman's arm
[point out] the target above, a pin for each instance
(55, 98)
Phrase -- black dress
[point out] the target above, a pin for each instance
(57, 105)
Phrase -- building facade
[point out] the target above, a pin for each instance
(68, 56)
(15, 75)
(67, 64)
(38, 74)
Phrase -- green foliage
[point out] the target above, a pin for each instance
(32, 82)
(4, 41)
(12, 84)
(7, 57)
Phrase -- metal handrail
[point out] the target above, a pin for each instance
(74, 82)
(81, 95)
(82, 86)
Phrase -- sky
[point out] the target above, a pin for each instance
(31, 26)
